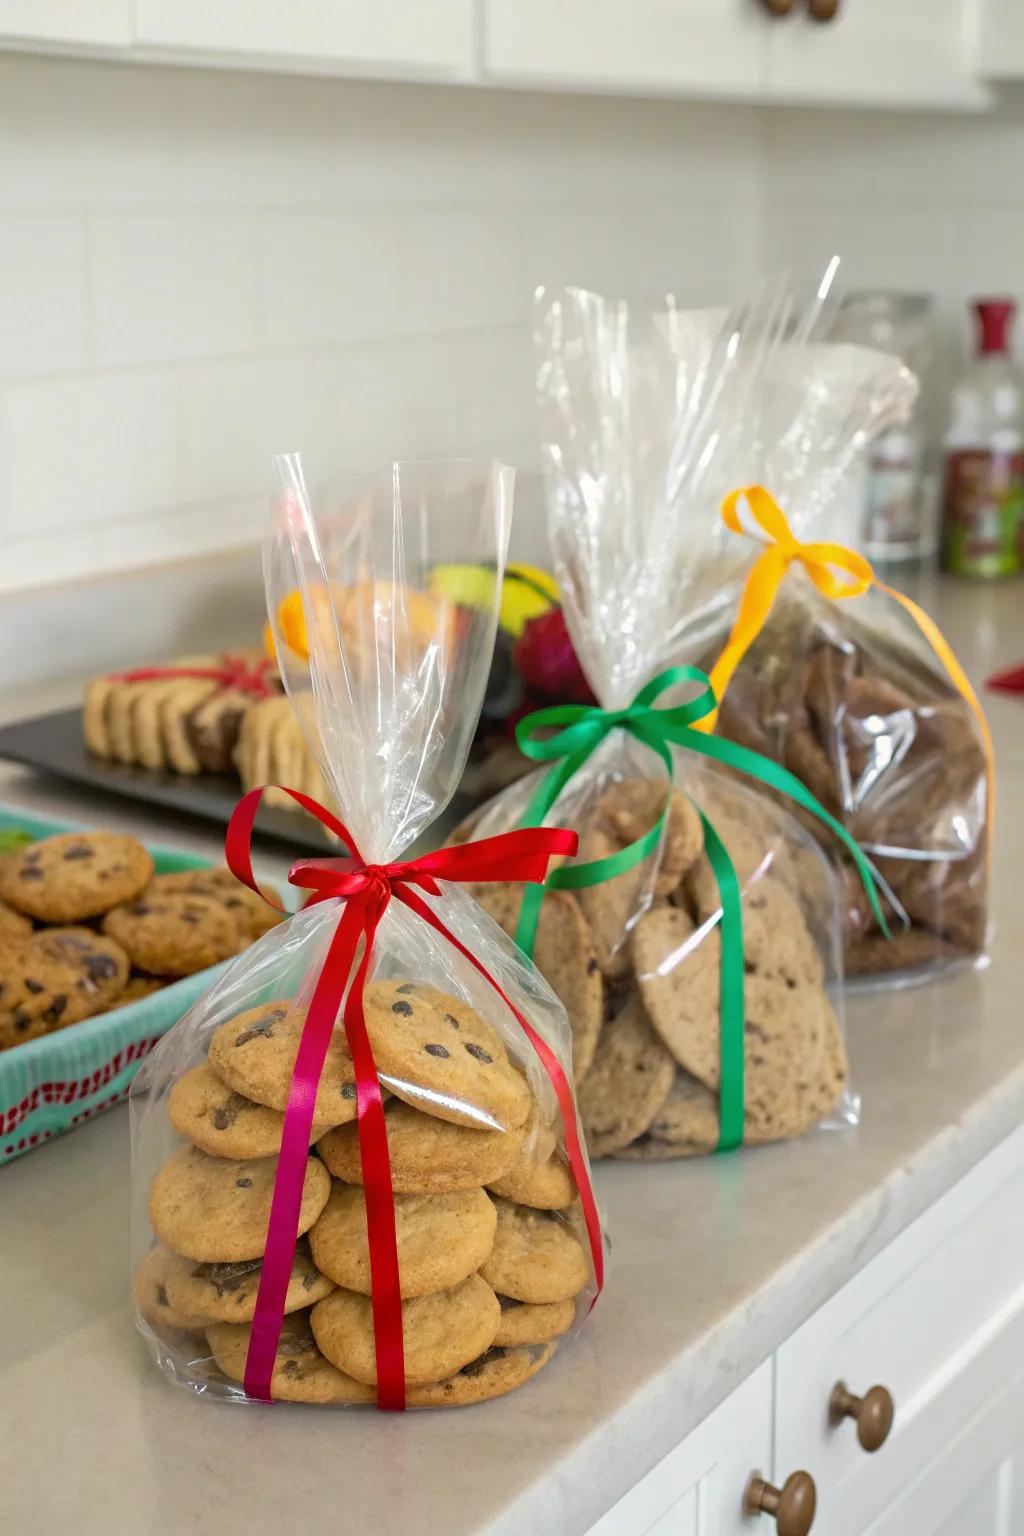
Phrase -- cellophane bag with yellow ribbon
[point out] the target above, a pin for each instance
(408, 1218)
(850, 692)
(642, 418)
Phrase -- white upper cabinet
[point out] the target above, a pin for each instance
(898, 53)
(657, 47)
(386, 37)
(1002, 39)
(72, 23)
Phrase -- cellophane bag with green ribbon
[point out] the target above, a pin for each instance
(856, 694)
(642, 418)
(458, 1144)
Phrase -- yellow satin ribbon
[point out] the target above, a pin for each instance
(837, 572)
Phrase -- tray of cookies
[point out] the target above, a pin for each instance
(104, 943)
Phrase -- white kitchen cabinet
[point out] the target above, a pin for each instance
(899, 53)
(1002, 39)
(432, 37)
(697, 1490)
(74, 23)
(662, 47)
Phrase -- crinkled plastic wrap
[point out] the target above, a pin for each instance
(494, 1262)
(642, 419)
(850, 695)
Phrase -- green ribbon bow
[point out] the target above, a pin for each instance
(585, 727)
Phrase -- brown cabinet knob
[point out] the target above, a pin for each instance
(823, 10)
(873, 1413)
(778, 7)
(793, 1504)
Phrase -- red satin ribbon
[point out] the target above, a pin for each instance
(366, 890)
(234, 672)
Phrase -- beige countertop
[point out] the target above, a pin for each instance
(713, 1264)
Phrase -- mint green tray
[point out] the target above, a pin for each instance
(50, 1085)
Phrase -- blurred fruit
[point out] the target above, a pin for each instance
(548, 664)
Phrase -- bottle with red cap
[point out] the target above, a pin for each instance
(983, 525)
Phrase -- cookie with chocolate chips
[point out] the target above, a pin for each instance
(253, 916)
(254, 1053)
(540, 1176)
(76, 875)
(173, 935)
(443, 1058)
(215, 1209)
(226, 1293)
(100, 962)
(441, 1333)
(628, 1083)
(220, 1121)
(151, 1294)
(523, 1323)
(498, 1371)
(428, 1156)
(37, 993)
(13, 925)
(536, 1257)
(301, 1373)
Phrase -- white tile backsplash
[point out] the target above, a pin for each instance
(44, 312)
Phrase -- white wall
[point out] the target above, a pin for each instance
(199, 269)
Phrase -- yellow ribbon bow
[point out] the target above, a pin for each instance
(837, 572)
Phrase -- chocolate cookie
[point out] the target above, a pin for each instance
(523, 1324)
(301, 1374)
(535, 1257)
(215, 1209)
(76, 875)
(428, 1156)
(441, 1238)
(442, 1333)
(220, 1121)
(492, 1375)
(226, 1293)
(450, 1065)
(254, 1053)
(629, 1082)
(173, 935)
(151, 1296)
(540, 1177)
(564, 954)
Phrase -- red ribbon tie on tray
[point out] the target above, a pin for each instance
(231, 672)
(367, 890)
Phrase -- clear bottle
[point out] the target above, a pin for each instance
(983, 520)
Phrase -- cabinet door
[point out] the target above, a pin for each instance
(1002, 39)
(101, 23)
(938, 1318)
(697, 1490)
(428, 35)
(901, 53)
(662, 47)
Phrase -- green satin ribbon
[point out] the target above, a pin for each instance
(585, 726)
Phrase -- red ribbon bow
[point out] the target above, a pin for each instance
(367, 890)
(231, 672)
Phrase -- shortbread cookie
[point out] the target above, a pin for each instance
(564, 954)
(441, 1238)
(76, 875)
(254, 1053)
(535, 1258)
(629, 1082)
(450, 1065)
(428, 1156)
(94, 715)
(226, 1293)
(301, 1373)
(173, 935)
(492, 1375)
(441, 1333)
(215, 1209)
(523, 1324)
(220, 1121)
(540, 1177)
(150, 1292)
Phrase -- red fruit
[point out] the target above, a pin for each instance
(547, 662)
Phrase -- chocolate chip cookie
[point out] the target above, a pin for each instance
(226, 1293)
(173, 935)
(428, 1156)
(254, 1053)
(37, 993)
(535, 1258)
(220, 1121)
(628, 1083)
(301, 1373)
(442, 1333)
(498, 1371)
(76, 875)
(253, 916)
(215, 1209)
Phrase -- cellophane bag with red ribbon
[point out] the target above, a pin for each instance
(642, 419)
(850, 693)
(482, 1188)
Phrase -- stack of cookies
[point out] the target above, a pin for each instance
(637, 964)
(86, 925)
(485, 1207)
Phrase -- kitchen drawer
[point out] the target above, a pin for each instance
(938, 1318)
(697, 1489)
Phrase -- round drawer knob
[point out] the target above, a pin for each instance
(793, 1504)
(824, 10)
(778, 7)
(873, 1413)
